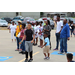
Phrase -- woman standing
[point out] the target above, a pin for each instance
(18, 30)
(72, 29)
(47, 28)
(13, 29)
(22, 46)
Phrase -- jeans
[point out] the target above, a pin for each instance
(63, 45)
(22, 46)
(72, 32)
(17, 39)
(57, 40)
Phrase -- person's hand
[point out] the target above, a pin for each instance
(20, 42)
(41, 46)
(32, 41)
(68, 38)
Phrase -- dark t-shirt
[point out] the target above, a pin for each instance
(72, 26)
(29, 34)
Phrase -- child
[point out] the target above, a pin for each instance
(40, 34)
(69, 57)
(29, 35)
(47, 46)
(22, 46)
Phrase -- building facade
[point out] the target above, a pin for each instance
(69, 14)
(34, 15)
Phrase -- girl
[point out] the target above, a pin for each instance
(13, 29)
(22, 46)
(40, 34)
(47, 28)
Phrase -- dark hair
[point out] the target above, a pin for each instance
(37, 22)
(13, 22)
(69, 56)
(48, 22)
(46, 33)
(24, 24)
(58, 16)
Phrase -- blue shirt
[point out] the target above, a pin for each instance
(65, 32)
(47, 41)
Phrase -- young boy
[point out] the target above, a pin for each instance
(69, 57)
(29, 35)
(47, 46)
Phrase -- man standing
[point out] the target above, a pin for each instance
(58, 30)
(64, 36)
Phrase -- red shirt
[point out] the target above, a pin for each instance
(22, 34)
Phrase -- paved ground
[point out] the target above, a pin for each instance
(7, 48)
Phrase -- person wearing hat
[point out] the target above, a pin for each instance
(18, 30)
(45, 19)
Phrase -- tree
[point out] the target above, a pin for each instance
(41, 14)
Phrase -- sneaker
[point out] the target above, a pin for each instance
(17, 50)
(60, 52)
(21, 52)
(26, 60)
(30, 60)
(64, 53)
(20, 49)
(55, 49)
(48, 58)
(45, 58)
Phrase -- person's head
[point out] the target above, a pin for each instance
(12, 22)
(29, 26)
(46, 34)
(36, 23)
(40, 23)
(65, 21)
(58, 17)
(23, 25)
(28, 21)
(69, 57)
(19, 22)
(47, 22)
(71, 22)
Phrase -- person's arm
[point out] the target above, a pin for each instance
(61, 26)
(43, 45)
(68, 33)
(33, 38)
(22, 39)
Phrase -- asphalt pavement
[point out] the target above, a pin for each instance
(8, 53)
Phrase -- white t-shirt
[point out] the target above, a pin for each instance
(59, 24)
(13, 27)
(41, 29)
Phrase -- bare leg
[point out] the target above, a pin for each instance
(12, 40)
(45, 54)
(48, 54)
(36, 40)
(41, 42)
(15, 40)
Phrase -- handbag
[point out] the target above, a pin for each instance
(15, 34)
(19, 34)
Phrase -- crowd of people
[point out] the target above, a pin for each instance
(27, 35)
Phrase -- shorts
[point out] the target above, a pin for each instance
(46, 49)
(41, 37)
